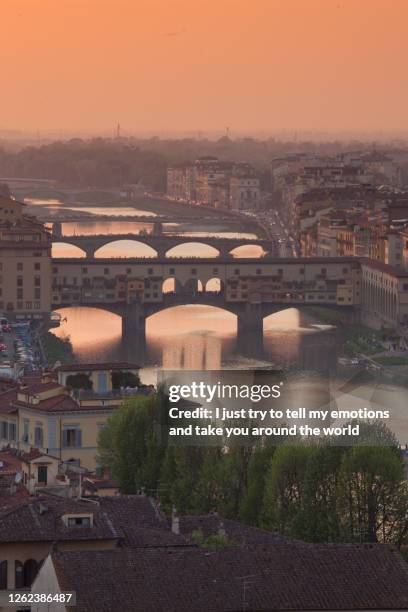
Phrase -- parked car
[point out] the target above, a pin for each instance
(6, 328)
(3, 347)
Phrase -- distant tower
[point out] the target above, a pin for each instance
(227, 130)
(118, 130)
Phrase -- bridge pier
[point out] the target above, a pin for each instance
(250, 331)
(134, 332)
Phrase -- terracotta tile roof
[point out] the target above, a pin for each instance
(40, 519)
(133, 514)
(57, 403)
(7, 399)
(278, 577)
(40, 387)
(239, 533)
(80, 367)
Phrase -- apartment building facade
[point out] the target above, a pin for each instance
(25, 263)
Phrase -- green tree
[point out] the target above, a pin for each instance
(372, 495)
(79, 381)
(125, 379)
(132, 446)
(318, 519)
(180, 473)
(284, 489)
(207, 491)
(251, 506)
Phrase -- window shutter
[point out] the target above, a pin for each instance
(79, 437)
(64, 438)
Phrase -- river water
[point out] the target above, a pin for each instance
(192, 336)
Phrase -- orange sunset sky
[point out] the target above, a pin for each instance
(204, 64)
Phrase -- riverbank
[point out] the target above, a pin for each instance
(56, 349)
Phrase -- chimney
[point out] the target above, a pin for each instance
(175, 521)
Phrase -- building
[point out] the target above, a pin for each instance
(25, 263)
(211, 182)
(58, 418)
(32, 526)
(244, 192)
(101, 376)
(274, 576)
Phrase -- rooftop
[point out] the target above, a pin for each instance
(279, 577)
(86, 367)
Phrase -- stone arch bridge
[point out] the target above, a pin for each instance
(161, 244)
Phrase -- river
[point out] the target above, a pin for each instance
(192, 336)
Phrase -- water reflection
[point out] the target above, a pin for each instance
(90, 228)
(112, 211)
(196, 337)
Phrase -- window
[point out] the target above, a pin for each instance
(4, 430)
(79, 521)
(18, 575)
(19, 281)
(55, 270)
(26, 426)
(106, 270)
(37, 265)
(172, 270)
(19, 266)
(19, 294)
(37, 281)
(3, 575)
(30, 571)
(38, 436)
(194, 271)
(84, 270)
(37, 293)
(128, 270)
(345, 270)
(42, 475)
(259, 271)
(12, 431)
(71, 437)
(236, 271)
(150, 271)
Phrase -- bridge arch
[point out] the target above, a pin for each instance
(66, 249)
(163, 306)
(248, 250)
(214, 285)
(133, 248)
(171, 285)
(192, 248)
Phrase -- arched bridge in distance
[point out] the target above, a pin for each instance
(161, 244)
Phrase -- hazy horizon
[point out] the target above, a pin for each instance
(270, 66)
